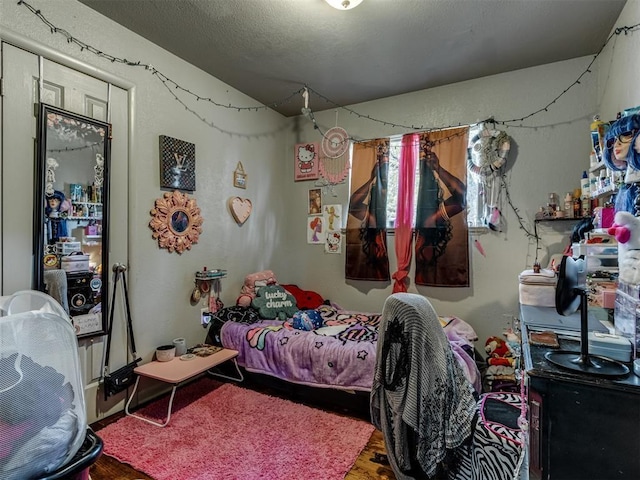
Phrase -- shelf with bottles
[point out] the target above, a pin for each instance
(85, 211)
(602, 181)
(85, 218)
(88, 232)
(559, 219)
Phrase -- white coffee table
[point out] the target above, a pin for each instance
(178, 371)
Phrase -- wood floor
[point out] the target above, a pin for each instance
(107, 468)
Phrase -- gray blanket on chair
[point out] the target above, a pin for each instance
(420, 400)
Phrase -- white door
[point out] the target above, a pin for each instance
(28, 79)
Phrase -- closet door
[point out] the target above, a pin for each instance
(28, 80)
(24, 89)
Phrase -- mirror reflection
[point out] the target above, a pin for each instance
(71, 205)
(179, 221)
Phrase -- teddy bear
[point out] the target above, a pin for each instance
(498, 352)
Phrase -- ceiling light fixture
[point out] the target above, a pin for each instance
(344, 4)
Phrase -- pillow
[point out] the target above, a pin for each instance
(307, 320)
(273, 301)
(252, 283)
(306, 299)
(236, 314)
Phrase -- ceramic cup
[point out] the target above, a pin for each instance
(181, 346)
(165, 353)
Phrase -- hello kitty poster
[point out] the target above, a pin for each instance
(306, 158)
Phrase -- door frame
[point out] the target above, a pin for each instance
(66, 60)
(91, 352)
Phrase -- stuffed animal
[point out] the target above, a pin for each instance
(307, 320)
(252, 283)
(306, 299)
(626, 230)
(498, 352)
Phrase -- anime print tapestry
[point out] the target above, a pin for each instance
(366, 237)
(442, 244)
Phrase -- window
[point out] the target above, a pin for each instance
(474, 188)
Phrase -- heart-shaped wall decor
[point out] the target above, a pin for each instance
(240, 209)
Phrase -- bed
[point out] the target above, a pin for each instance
(339, 353)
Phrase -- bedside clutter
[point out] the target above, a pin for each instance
(165, 353)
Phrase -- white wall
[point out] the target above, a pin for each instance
(161, 282)
(548, 153)
(619, 66)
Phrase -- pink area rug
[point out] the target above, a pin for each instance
(222, 431)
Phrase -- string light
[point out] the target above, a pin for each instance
(514, 122)
(113, 59)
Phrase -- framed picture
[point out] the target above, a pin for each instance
(239, 177)
(177, 164)
(315, 201)
(306, 161)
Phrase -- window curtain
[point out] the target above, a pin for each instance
(442, 242)
(404, 215)
(366, 236)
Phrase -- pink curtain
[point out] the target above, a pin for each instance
(404, 218)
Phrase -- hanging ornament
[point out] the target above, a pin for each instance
(335, 142)
(491, 148)
(334, 170)
(306, 111)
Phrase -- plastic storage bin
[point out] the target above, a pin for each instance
(75, 262)
(611, 346)
(42, 408)
(627, 315)
(66, 248)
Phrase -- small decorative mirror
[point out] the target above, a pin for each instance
(176, 221)
(71, 212)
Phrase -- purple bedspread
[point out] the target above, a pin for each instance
(339, 355)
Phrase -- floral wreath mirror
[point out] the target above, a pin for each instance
(176, 221)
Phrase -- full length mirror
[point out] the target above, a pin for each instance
(71, 212)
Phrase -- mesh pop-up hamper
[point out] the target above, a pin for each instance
(43, 421)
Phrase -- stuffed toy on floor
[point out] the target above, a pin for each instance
(498, 352)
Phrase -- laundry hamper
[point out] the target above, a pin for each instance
(43, 424)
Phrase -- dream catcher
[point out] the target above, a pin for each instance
(334, 162)
(485, 158)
